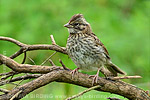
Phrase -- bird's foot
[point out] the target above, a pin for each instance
(95, 78)
(74, 71)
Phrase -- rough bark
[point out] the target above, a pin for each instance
(59, 74)
(44, 75)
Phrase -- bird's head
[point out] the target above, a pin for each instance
(77, 24)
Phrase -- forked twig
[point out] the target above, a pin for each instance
(58, 74)
(7, 75)
(26, 47)
(25, 77)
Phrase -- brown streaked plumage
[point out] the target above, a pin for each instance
(86, 50)
(73, 18)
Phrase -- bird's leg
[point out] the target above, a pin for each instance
(74, 71)
(95, 77)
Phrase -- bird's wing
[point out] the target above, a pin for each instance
(98, 42)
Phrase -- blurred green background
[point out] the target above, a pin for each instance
(122, 25)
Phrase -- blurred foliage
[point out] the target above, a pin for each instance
(122, 25)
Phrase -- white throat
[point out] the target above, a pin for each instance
(72, 30)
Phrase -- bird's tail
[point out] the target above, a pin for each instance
(115, 69)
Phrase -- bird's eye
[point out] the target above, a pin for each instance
(76, 24)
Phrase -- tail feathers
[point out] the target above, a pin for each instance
(115, 69)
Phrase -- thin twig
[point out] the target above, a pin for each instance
(25, 77)
(48, 58)
(60, 75)
(113, 98)
(125, 77)
(13, 41)
(53, 40)
(4, 91)
(18, 83)
(13, 83)
(81, 93)
(8, 73)
(16, 95)
(24, 59)
(11, 77)
(32, 60)
(26, 47)
(5, 77)
(51, 62)
(16, 54)
(63, 65)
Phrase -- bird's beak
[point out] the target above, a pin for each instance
(68, 25)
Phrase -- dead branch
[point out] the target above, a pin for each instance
(51, 62)
(25, 77)
(16, 95)
(25, 68)
(113, 98)
(48, 74)
(53, 40)
(25, 47)
(124, 77)
(59, 74)
(13, 41)
(48, 58)
(4, 91)
(63, 65)
(8, 73)
(24, 59)
(85, 91)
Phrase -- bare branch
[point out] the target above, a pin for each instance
(4, 91)
(16, 95)
(13, 41)
(85, 91)
(25, 47)
(51, 62)
(48, 58)
(125, 77)
(59, 74)
(113, 98)
(53, 40)
(32, 60)
(17, 53)
(25, 77)
(63, 65)
(8, 73)
(24, 59)
(25, 68)
(18, 84)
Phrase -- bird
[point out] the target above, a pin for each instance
(86, 50)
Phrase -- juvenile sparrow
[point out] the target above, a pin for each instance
(86, 50)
